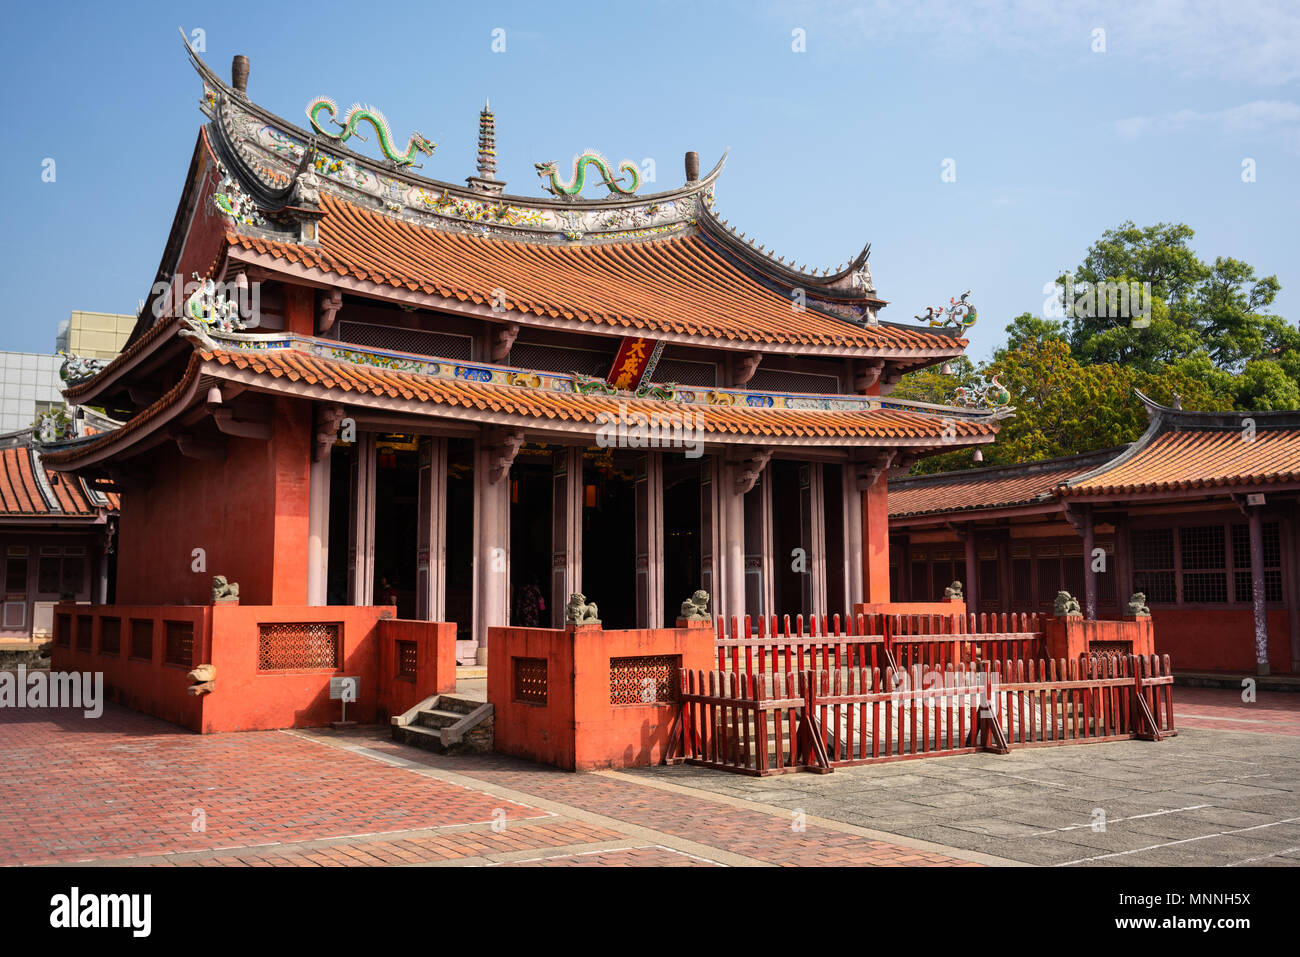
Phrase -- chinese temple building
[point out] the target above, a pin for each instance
(1201, 514)
(354, 385)
(57, 535)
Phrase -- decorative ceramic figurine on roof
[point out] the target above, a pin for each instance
(550, 171)
(358, 114)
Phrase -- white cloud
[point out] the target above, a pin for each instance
(1253, 41)
(1257, 118)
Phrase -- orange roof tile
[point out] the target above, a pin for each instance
(1200, 458)
(996, 487)
(346, 377)
(20, 494)
(672, 285)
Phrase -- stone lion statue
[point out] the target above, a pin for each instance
(204, 677)
(696, 608)
(954, 591)
(223, 590)
(580, 611)
(1137, 605)
(1066, 604)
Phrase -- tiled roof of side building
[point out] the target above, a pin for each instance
(22, 495)
(677, 285)
(1001, 486)
(1199, 459)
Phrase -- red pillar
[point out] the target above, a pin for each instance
(875, 542)
(290, 451)
(300, 310)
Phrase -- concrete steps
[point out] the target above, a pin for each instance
(447, 724)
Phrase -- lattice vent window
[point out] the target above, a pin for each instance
(110, 636)
(407, 659)
(530, 680)
(648, 679)
(298, 646)
(179, 643)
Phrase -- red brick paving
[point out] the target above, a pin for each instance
(122, 789)
(73, 788)
(654, 856)
(1221, 709)
(754, 834)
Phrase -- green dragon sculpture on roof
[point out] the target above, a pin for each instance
(358, 114)
(573, 187)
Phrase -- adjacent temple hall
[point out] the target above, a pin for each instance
(354, 385)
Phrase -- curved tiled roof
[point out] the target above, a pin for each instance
(348, 377)
(673, 285)
(21, 494)
(1200, 458)
(997, 487)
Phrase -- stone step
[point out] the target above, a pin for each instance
(457, 703)
(436, 718)
(421, 737)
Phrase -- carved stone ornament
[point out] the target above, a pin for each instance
(579, 611)
(696, 608)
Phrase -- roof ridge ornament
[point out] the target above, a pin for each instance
(990, 394)
(960, 314)
(357, 114)
(551, 168)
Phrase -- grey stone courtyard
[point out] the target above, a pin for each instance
(1205, 797)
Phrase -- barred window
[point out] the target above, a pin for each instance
(84, 626)
(110, 636)
(1022, 583)
(1153, 564)
(298, 646)
(142, 638)
(179, 645)
(648, 679)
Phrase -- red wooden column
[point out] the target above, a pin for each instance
(300, 310)
(875, 537)
(1257, 588)
(1089, 576)
(972, 571)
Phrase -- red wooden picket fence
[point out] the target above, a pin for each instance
(772, 645)
(817, 721)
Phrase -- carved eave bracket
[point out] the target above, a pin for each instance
(866, 373)
(503, 340)
(328, 419)
(749, 468)
(743, 367)
(866, 472)
(329, 308)
(502, 445)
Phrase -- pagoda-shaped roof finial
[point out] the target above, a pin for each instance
(486, 180)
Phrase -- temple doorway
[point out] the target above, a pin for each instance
(459, 587)
(681, 533)
(531, 482)
(609, 535)
(397, 471)
(791, 564)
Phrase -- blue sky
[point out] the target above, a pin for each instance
(832, 147)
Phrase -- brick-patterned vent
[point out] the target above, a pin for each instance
(297, 646)
(141, 638)
(63, 630)
(180, 643)
(110, 636)
(407, 657)
(648, 679)
(530, 680)
(84, 625)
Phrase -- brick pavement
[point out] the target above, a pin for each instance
(1273, 712)
(122, 789)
